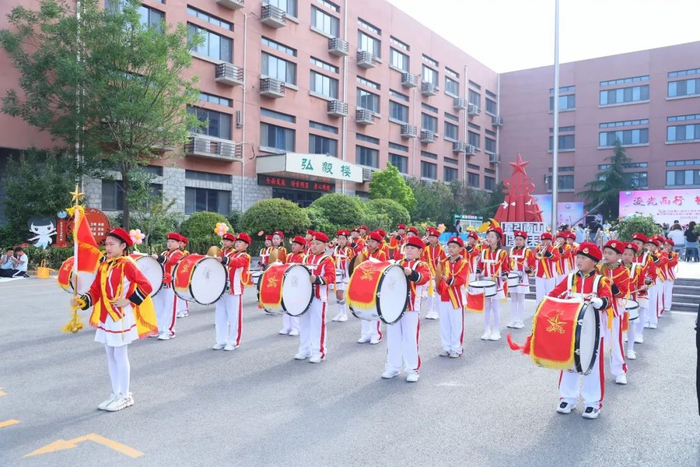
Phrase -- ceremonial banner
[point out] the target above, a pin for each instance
(554, 333)
(363, 285)
(665, 205)
(475, 302)
(271, 286)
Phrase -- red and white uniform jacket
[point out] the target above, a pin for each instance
(418, 278)
(342, 256)
(669, 271)
(473, 256)
(433, 256)
(565, 253)
(324, 272)
(522, 259)
(357, 245)
(455, 274)
(238, 268)
(571, 259)
(660, 261)
(492, 264)
(297, 258)
(281, 253)
(645, 260)
(545, 262)
(265, 256)
(377, 254)
(636, 278)
(169, 260)
(396, 243)
(584, 284)
(619, 285)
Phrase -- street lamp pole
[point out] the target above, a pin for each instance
(555, 137)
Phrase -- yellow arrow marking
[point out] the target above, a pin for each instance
(7, 423)
(62, 444)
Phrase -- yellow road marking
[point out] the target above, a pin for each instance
(7, 423)
(62, 444)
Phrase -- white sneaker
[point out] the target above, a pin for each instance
(375, 341)
(412, 377)
(229, 347)
(120, 403)
(487, 335)
(363, 340)
(511, 324)
(638, 339)
(444, 353)
(495, 335)
(103, 405)
(293, 332)
(621, 379)
(181, 315)
(519, 325)
(316, 359)
(565, 407)
(647, 325)
(343, 318)
(153, 336)
(455, 354)
(218, 346)
(130, 400)
(653, 326)
(164, 336)
(631, 355)
(390, 374)
(591, 413)
(301, 356)
(284, 332)
(432, 315)
(337, 317)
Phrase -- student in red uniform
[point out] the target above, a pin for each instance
(473, 252)
(522, 261)
(227, 315)
(342, 254)
(403, 336)
(454, 274)
(586, 282)
(636, 279)
(265, 253)
(546, 258)
(620, 287)
(655, 287)
(290, 326)
(356, 243)
(312, 324)
(433, 255)
(165, 301)
(669, 273)
(123, 312)
(371, 331)
(396, 241)
(308, 237)
(494, 265)
(183, 306)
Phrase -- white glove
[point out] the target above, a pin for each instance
(597, 303)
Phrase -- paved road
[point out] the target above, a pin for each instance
(256, 406)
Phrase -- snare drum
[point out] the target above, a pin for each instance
(487, 287)
(514, 279)
(286, 288)
(378, 291)
(255, 276)
(199, 278)
(566, 335)
(66, 278)
(150, 268)
(632, 308)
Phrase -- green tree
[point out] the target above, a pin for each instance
(341, 211)
(436, 202)
(604, 191)
(273, 214)
(108, 88)
(200, 226)
(37, 183)
(390, 184)
(379, 212)
(631, 225)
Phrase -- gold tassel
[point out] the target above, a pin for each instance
(75, 324)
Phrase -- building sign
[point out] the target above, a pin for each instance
(466, 221)
(665, 205)
(309, 165)
(534, 231)
(295, 184)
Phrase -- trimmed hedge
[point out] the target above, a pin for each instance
(273, 214)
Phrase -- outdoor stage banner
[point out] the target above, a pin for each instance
(567, 212)
(533, 229)
(665, 205)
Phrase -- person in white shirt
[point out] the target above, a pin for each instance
(14, 265)
(676, 234)
(6, 265)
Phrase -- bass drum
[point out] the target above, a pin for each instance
(285, 288)
(199, 278)
(150, 268)
(378, 291)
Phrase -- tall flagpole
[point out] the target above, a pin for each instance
(555, 138)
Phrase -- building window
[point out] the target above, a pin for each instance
(679, 163)
(683, 133)
(367, 100)
(474, 139)
(329, 5)
(277, 68)
(489, 183)
(449, 116)
(398, 147)
(398, 95)
(566, 142)
(682, 118)
(216, 124)
(566, 182)
(369, 26)
(112, 195)
(151, 17)
(272, 136)
(565, 102)
(674, 74)
(450, 174)
(451, 132)
(280, 47)
(429, 108)
(323, 145)
(563, 89)
(400, 162)
(473, 125)
(473, 179)
(631, 165)
(367, 156)
(288, 6)
(326, 66)
(428, 170)
(202, 199)
(322, 127)
(474, 98)
(430, 76)
(369, 44)
(324, 85)
(430, 61)
(635, 79)
(474, 85)
(368, 83)
(624, 95)
(209, 18)
(490, 145)
(207, 176)
(367, 139)
(399, 44)
(491, 107)
(451, 87)
(214, 46)
(686, 87)
(449, 160)
(278, 115)
(643, 121)
(212, 99)
(428, 122)
(682, 177)
(398, 112)
(324, 22)
(429, 155)
(637, 179)
(626, 137)
(398, 59)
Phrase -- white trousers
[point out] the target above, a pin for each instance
(643, 318)
(668, 295)
(632, 332)
(290, 323)
(402, 343)
(183, 306)
(543, 287)
(119, 369)
(492, 318)
(618, 365)
(371, 329)
(451, 327)
(312, 330)
(166, 310)
(432, 299)
(517, 306)
(652, 315)
(228, 320)
(593, 383)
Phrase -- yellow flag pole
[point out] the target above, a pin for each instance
(75, 324)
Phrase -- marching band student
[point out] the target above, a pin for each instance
(571, 259)
(669, 273)
(183, 306)
(546, 258)
(165, 301)
(586, 282)
(228, 317)
(364, 235)
(342, 254)
(565, 253)
(653, 316)
(122, 313)
(290, 325)
(309, 235)
(433, 255)
(620, 287)
(265, 253)
(649, 271)
(384, 246)
(371, 331)
(356, 242)
(279, 254)
(403, 336)
(661, 261)
(397, 240)
(494, 264)
(522, 262)
(312, 324)
(453, 274)
(473, 250)
(636, 280)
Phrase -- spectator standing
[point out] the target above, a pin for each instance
(691, 243)
(678, 238)
(580, 234)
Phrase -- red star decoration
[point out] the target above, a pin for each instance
(519, 165)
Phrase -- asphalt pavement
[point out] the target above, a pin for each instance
(256, 406)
